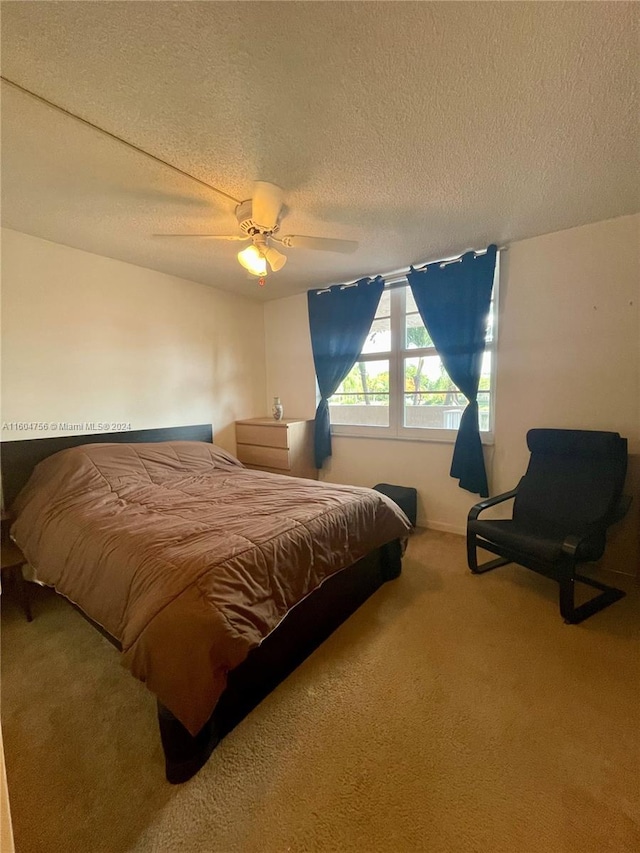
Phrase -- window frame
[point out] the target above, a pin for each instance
(396, 431)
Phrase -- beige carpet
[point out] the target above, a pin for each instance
(451, 713)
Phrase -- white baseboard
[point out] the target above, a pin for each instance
(445, 527)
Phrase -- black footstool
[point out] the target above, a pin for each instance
(404, 496)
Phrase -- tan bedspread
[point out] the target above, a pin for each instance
(186, 557)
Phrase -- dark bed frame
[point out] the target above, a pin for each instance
(302, 630)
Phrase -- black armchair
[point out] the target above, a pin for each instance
(569, 496)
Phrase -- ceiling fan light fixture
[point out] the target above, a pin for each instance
(275, 258)
(253, 260)
(259, 221)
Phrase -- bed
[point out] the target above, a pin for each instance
(213, 581)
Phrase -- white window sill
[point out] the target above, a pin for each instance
(486, 438)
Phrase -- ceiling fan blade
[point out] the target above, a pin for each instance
(207, 236)
(266, 204)
(321, 244)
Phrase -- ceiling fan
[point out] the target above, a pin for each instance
(258, 217)
(259, 221)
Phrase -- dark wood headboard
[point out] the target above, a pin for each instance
(19, 458)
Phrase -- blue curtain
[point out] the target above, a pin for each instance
(340, 319)
(453, 301)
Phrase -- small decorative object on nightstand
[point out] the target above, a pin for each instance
(282, 447)
(12, 563)
(278, 409)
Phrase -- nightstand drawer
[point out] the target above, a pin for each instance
(272, 457)
(267, 436)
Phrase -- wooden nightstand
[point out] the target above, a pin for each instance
(12, 563)
(281, 447)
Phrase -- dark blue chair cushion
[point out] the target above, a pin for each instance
(573, 482)
(545, 547)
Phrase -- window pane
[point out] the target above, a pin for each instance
(416, 334)
(363, 397)
(432, 401)
(485, 371)
(484, 402)
(384, 306)
(490, 318)
(379, 337)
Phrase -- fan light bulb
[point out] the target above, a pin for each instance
(252, 260)
(275, 258)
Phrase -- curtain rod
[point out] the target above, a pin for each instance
(397, 278)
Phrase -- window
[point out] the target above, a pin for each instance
(399, 387)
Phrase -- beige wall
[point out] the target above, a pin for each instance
(569, 350)
(568, 356)
(290, 371)
(88, 338)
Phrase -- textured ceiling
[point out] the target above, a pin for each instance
(419, 129)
